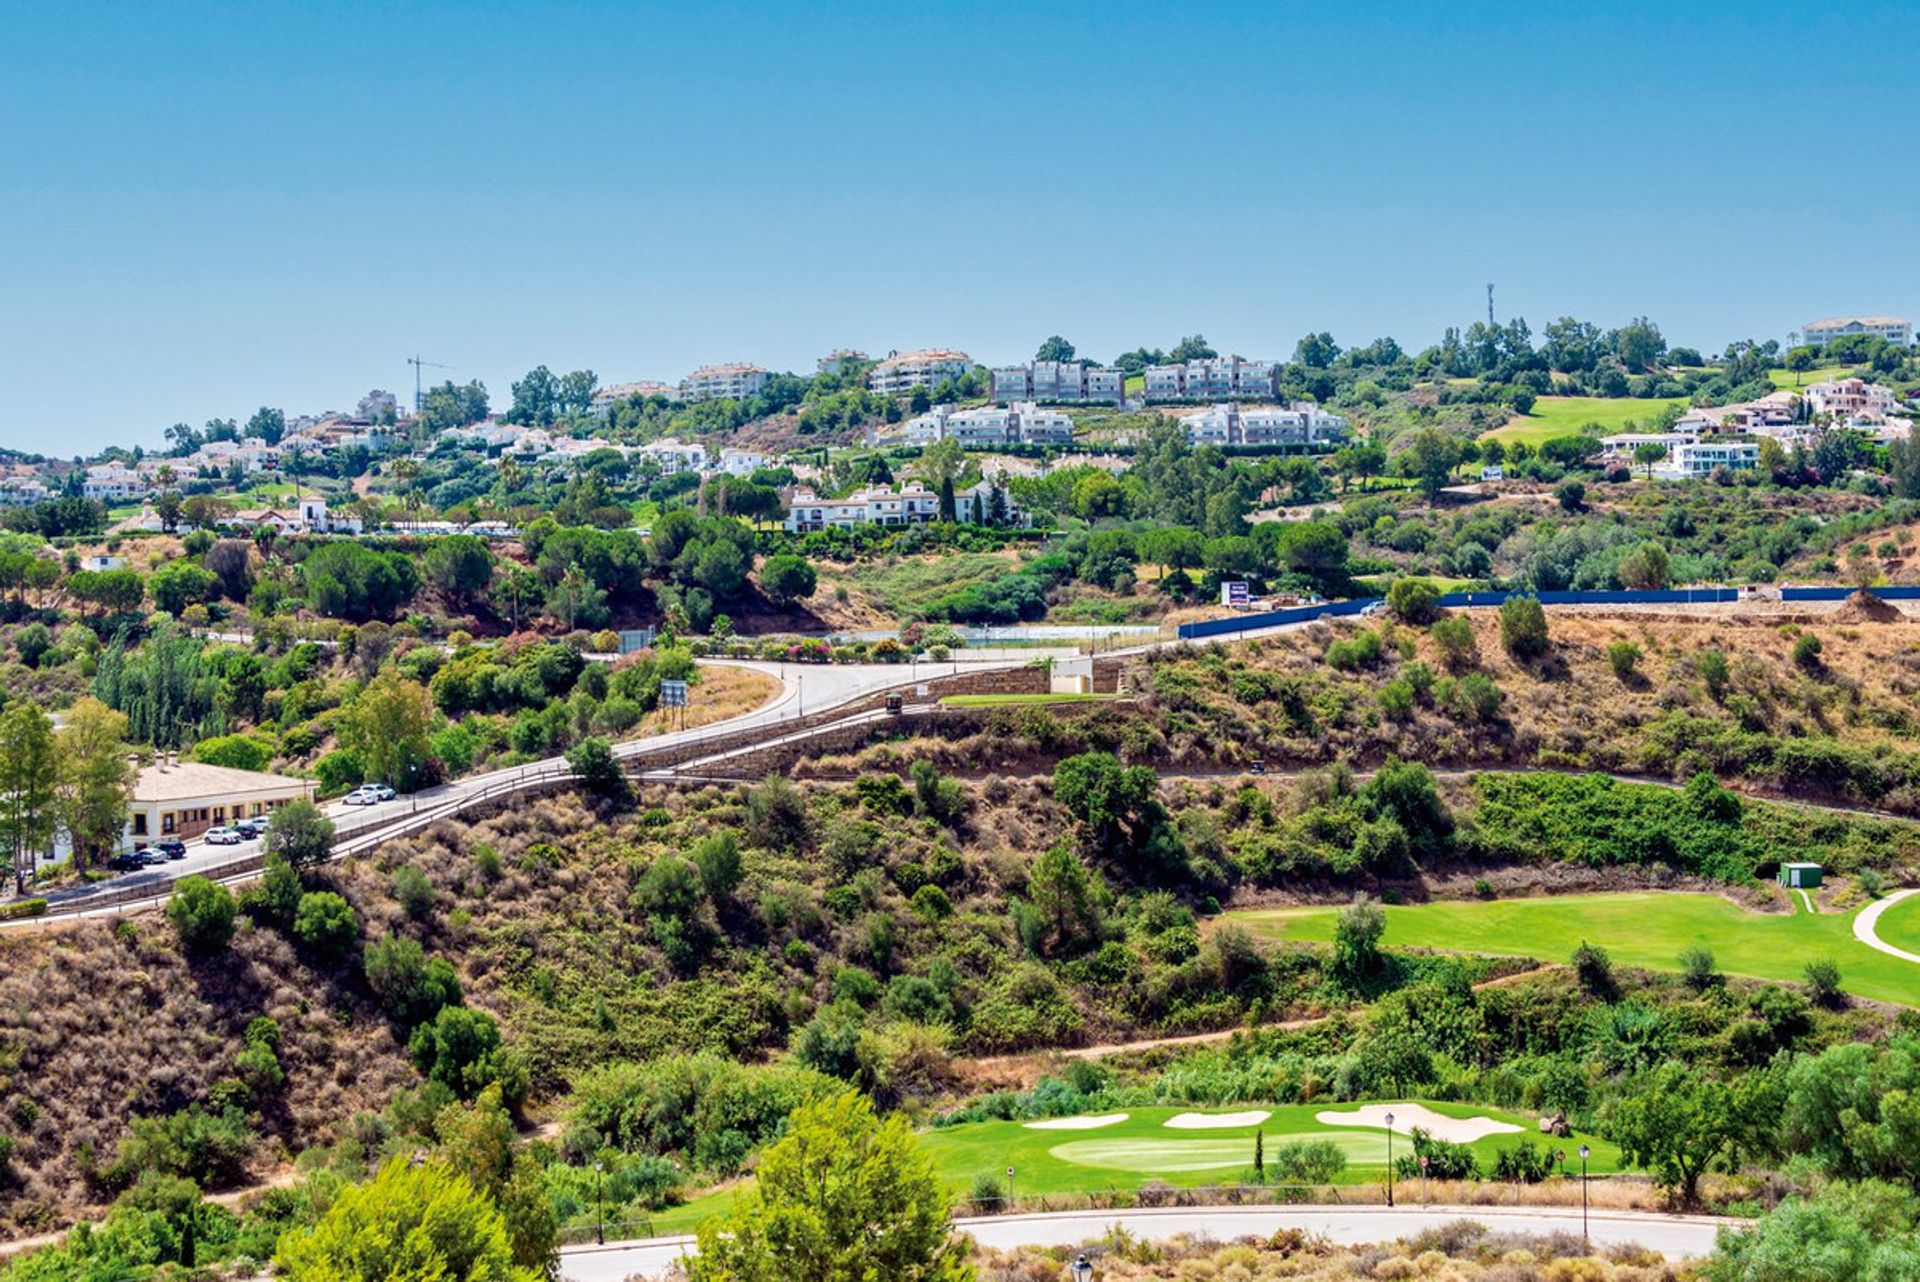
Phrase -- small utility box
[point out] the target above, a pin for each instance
(1800, 876)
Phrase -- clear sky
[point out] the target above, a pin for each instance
(209, 207)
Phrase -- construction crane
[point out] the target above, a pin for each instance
(419, 365)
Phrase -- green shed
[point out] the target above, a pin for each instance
(1800, 876)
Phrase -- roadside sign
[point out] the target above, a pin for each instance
(673, 694)
(1234, 593)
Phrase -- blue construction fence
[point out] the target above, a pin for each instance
(1662, 596)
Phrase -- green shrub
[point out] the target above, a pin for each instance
(1523, 627)
(23, 908)
(412, 891)
(1305, 1162)
(1624, 658)
(1458, 648)
(462, 1050)
(202, 914)
(325, 925)
(1413, 599)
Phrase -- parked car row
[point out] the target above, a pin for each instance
(147, 857)
(368, 794)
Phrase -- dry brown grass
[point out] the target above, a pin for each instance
(100, 1026)
(723, 691)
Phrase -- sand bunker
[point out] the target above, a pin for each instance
(1215, 1121)
(1092, 1123)
(1406, 1117)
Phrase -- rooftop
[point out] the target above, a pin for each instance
(190, 780)
(732, 367)
(1856, 320)
(926, 354)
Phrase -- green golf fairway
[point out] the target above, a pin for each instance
(1647, 929)
(1143, 1148)
(1900, 925)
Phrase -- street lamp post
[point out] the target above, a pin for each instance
(1009, 1188)
(1584, 1238)
(1389, 1159)
(600, 1203)
(1082, 1268)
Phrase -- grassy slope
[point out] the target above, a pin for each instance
(1566, 415)
(1788, 379)
(1142, 1149)
(902, 586)
(1900, 925)
(1643, 929)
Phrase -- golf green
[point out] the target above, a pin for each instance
(1647, 929)
(1143, 1148)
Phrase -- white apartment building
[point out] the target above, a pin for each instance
(1302, 423)
(741, 462)
(1690, 460)
(17, 491)
(676, 456)
(1770, 415)
(1059, 383)
(114, 483)
(1853, 401)
(607, 397)
(732, 382)
(838, 358)
(1022, 423)
(377, 405)
(1619, 448)
(1227, 378)
(927, 367)
(1895, 329)
(807, 511)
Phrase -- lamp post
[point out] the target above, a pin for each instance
(1389, 1159)
(600, 1203)
(1009, 1188)
(1585, 1240)
(1082, 1268)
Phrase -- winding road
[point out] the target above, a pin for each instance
(1675, 1236)
(1866, 925)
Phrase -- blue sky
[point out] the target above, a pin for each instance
(205, 208)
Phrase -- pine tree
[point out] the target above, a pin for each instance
(1260, 1153)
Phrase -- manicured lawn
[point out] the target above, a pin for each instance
(1567, 415)
(1017, 700)
(1788, 379)
(1641, 929)
(1900, 925)
(1128, 1154)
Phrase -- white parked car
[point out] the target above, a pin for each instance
(365, 795)
(224, 837)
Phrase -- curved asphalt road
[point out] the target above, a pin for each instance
(1675, 1236)
(1865, 925)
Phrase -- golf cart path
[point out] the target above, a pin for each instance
(1675, 1236)
(1869, 917)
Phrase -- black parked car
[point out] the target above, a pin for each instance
(171, 849)
(128, 861)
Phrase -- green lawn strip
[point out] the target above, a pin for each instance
(1142, 1149)
(1790, 381)
(1646, 929)
(1566, 415)
(1015, 700)
(1900, 926)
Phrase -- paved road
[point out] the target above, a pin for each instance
(1676, 1236)
(1865, 925)
(804, 689)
